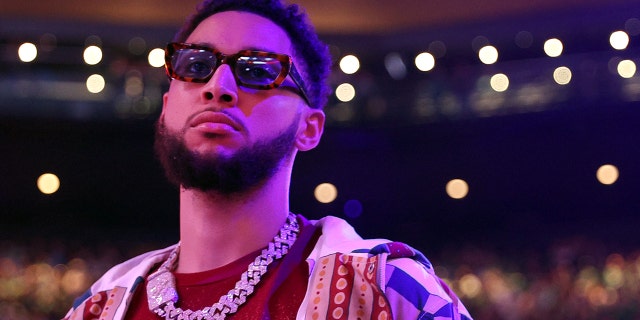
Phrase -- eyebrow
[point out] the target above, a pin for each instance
(251, 48)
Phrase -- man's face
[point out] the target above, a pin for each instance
(221, 121)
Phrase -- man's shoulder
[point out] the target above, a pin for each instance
(407, 277)
(117, 284)
(339, 236)
(126, 272)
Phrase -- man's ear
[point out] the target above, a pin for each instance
(310, 130)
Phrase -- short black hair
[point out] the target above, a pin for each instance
(314, 60)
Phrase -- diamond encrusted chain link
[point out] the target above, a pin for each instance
(161, 287)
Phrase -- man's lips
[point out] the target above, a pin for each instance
(214, 122)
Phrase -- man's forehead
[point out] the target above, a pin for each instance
(232, 31)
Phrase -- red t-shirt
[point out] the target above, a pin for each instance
(277, 296)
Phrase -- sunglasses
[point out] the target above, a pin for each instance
(251, 69)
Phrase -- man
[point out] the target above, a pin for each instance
(247, 90)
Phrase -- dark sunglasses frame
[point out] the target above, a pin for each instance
(285, 61)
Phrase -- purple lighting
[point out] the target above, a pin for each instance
(353, 209)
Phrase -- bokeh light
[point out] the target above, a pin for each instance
(562, 75)
(457, 188)
(156, 58)
(92, 55)
(325, 192)
(425, 61)
(345, 92)
(353, 208)
(488, 54)
(27, 52)
(499, 82)
(613, 276)
(93, 40)
(626, 68)
(76, 278)
(553, 47)
(524, 39)
(134, 86)
(478, 42)
(632, 26)
(470, 285)
(95, 83)
(607, 174)
(395, 66)
(48, 183)
(349, 64)
(48, 42)
(137, 45)
(619, 40)
(437, 48)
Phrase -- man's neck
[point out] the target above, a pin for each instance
(217, 229)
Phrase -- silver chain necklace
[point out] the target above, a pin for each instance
(161, 287)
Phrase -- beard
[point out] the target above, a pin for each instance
(227, 175)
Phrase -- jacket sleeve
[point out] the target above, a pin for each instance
(412, 288)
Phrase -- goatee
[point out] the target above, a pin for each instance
(245, 169)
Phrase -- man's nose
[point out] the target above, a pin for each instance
(221, 88)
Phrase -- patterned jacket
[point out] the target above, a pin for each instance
(349, 278)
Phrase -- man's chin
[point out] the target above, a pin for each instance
(212, 150)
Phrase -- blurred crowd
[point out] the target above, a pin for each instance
(574, 279)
